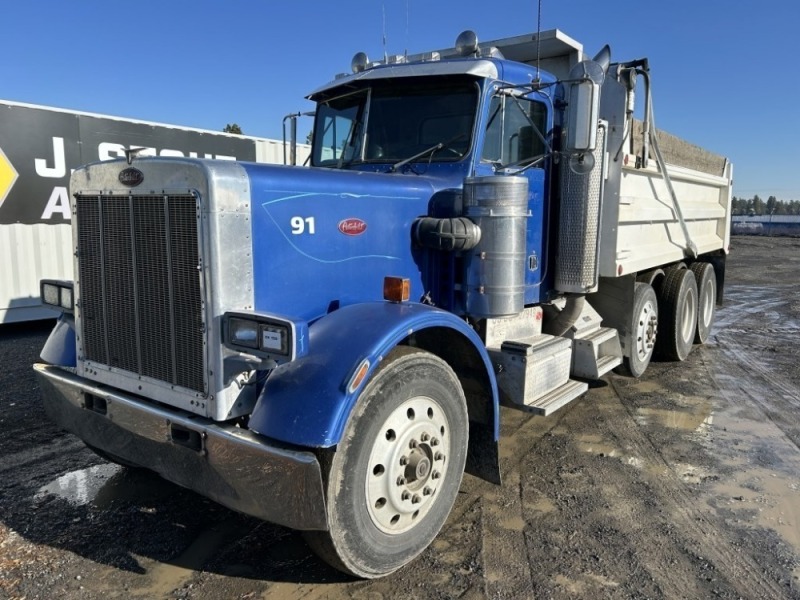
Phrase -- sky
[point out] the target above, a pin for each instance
(724, 72)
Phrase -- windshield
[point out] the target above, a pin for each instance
(397, 119)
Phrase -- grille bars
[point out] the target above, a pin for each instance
(141, 294)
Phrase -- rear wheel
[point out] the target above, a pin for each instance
(395, 474)
(706, 299)
(643, 329)
(677, 307)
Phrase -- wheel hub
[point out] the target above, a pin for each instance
(646, 329)
(407, 465)
(418, 468)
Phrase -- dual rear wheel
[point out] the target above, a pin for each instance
(681, 314)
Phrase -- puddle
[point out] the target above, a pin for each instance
(697, 422)
(166, 577)
(764, 490)
(79, 487)
(103, 485)
(648, 387)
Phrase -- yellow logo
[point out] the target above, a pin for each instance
(8, 175)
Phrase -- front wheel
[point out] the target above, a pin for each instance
(396, 472)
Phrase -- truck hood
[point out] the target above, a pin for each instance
(324, 238)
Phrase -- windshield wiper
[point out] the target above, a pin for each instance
(432, 150)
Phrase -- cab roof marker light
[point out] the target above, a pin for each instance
(360, 62)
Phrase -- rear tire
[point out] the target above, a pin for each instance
(677, 308)
(643, 329)
(706, 299)
(396, 472)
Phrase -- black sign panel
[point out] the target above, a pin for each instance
(40, 147)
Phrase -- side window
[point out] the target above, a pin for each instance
(335, 133)
(511, 132)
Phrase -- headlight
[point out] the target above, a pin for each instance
(266, 336)
(243, 333)
(57, 293)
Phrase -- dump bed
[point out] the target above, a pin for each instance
(641, 223)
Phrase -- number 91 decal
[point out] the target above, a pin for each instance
(302, 225)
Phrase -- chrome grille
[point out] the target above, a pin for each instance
(140, 289)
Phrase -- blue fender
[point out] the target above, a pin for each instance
(60, 348)
(306, 402)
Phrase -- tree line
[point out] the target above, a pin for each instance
(755, 206)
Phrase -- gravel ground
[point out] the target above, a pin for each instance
(684, 484)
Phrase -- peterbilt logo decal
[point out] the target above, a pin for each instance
(352, 226)
(131, 177)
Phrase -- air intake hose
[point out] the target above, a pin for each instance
(559, 323)
(450, 235)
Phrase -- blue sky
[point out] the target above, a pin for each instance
(724, 72)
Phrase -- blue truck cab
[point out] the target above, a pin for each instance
(327, 347)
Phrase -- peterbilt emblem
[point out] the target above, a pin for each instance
(352, 226)
(131, 177)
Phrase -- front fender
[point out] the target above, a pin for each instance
(306, 402)
(60, 349)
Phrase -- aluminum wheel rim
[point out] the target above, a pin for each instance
(646, 328)
(407, 465)
(708, 302)
(689, 317)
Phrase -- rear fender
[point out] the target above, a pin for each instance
(307, 402)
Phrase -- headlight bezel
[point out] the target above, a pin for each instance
(276, 338)
(58, 294)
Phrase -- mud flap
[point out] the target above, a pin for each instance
(483, 455)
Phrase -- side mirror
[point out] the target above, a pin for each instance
(583, 110)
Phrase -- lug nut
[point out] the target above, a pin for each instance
(424, 437)
(438, 456)
(427, 491)
(412, 444)
(435, 442)
(403, 461)
(405, 495)
(416, 499)
(435, 475)
(401, 481)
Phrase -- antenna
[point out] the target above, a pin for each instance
(405, 51)
(538, 38)
(383, 10)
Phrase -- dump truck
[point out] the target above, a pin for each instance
(328, 347)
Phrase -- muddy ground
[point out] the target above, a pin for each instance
(684, 484)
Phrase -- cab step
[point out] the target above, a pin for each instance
(534, 373)
(596, 353)
(556, 399)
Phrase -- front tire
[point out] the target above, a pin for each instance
(394, 477)
(677, 307)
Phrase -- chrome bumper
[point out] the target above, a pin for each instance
(232, 466)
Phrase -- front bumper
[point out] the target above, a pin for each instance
(230, 465)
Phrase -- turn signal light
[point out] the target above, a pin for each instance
(396, 289)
